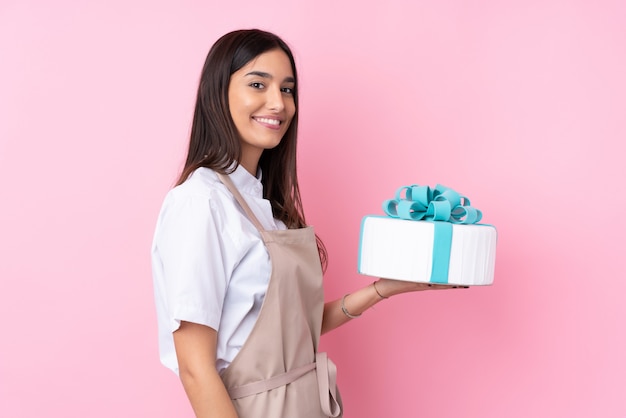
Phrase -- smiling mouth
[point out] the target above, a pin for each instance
(274, 122)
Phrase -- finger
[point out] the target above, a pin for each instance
(447, 286)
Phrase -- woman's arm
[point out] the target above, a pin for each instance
(361, 300)
(196, 352)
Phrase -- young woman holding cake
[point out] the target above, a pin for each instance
(237, 272)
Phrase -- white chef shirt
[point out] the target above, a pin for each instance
(209, 263)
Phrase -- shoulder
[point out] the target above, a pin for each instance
(196, 202)
(201, 190)
(199, 206)
(201, 183)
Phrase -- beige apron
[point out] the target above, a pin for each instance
(278, 371)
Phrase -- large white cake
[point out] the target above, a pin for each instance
(401, 249)
(430, 236)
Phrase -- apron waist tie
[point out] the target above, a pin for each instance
(326, 382)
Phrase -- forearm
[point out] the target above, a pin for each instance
(207, 394)
(358, 302)
(195, 349)
(355, 303)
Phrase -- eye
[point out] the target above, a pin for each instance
(288, 90)
(257, 85)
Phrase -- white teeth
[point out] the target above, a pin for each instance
(269, 121)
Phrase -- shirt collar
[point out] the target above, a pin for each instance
(246, 182)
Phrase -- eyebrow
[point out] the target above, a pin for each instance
(268, 75)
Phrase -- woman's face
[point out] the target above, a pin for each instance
(262, 105)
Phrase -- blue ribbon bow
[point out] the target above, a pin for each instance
(442, 206)
(438, 204)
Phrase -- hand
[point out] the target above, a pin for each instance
(390, 287)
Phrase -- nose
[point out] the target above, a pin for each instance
(275, 99)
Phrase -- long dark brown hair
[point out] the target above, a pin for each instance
(215, 142)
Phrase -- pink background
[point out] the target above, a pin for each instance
(519, 104)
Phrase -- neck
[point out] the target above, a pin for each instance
(250, 159)
(250, 168)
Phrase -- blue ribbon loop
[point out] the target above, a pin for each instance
(421, 203)
(442, 206)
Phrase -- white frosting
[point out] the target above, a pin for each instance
(401, 249)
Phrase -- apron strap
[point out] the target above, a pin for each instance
(242, 202)
(266, 385)
(326, 382)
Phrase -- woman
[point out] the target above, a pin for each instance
(237, 273)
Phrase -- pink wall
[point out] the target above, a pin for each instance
(519, 105)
